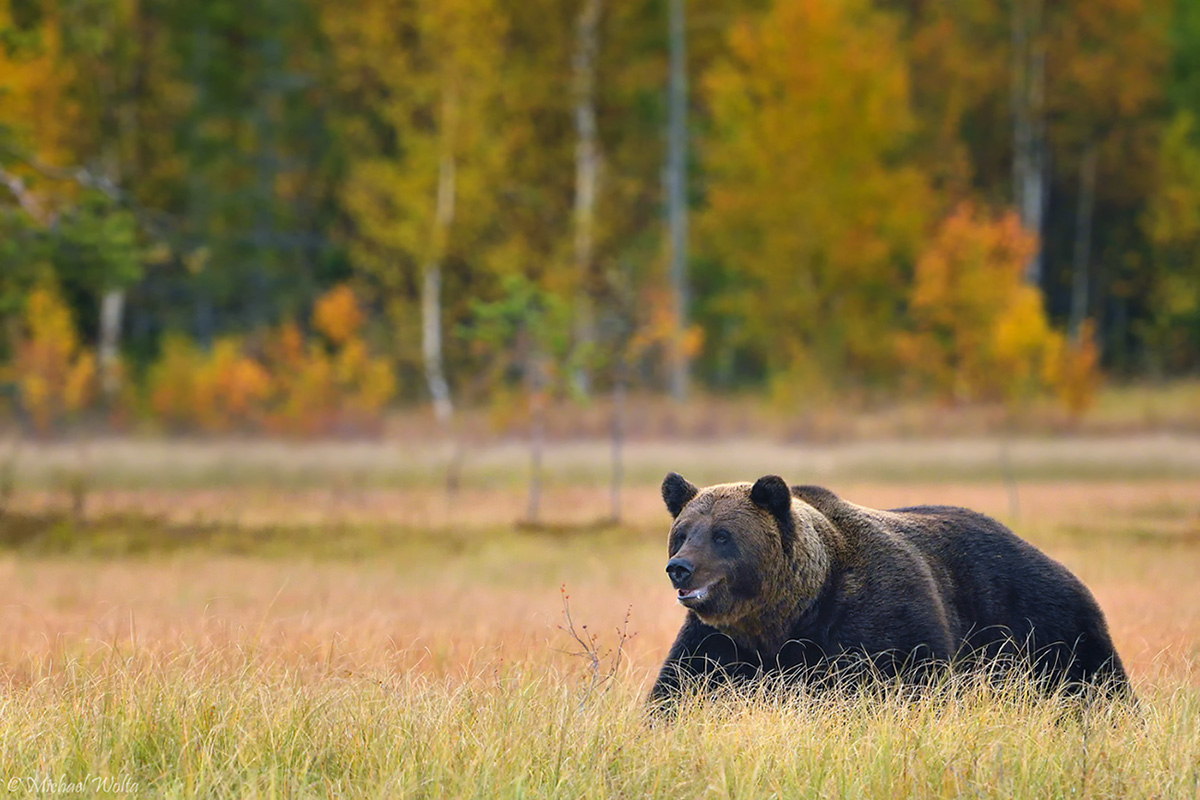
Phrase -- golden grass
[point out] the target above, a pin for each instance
(384, 648)
(208, 724)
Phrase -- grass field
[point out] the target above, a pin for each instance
(324, 621)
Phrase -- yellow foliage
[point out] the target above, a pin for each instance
(231, 388)
(54, 374)
(806, 195)
(367, 383)
(1077, 374)
(217, 392)
(36, 91)
(319, 392)
(306, 397)
(172, 381)
(980, 332)
(79, 388)
(297, 387)
(1024, 349)
(658, 328)
(337, 315)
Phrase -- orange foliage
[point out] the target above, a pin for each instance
(337, 315)
(54, 374)
(306, 398)
(298, 386)
(659, 328)
(216, 391)
(1078, 376)
(321, 391)
(230, 388)
(980, 331)
(170, 383)
(807, 200)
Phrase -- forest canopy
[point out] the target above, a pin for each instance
(286, 215)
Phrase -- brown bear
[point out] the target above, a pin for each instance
(797, 582)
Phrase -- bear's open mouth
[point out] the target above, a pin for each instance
(687, 596)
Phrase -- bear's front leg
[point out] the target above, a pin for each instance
(701, 657)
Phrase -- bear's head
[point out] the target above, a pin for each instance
(742, 553)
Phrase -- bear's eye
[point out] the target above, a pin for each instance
(720, 537)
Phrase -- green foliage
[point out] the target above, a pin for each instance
(22, 261)
(1172, 224)
(526, 329)
(94, 245)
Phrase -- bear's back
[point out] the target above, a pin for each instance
(996, 587)
(996, 581)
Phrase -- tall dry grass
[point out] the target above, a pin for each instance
(359, 645)
(218, 725)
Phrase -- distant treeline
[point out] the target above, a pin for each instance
(976, 199)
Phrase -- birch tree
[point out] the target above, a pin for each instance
(1030, 151)
(419, 78)
(587, 177)
(676, 190)
(813, 209)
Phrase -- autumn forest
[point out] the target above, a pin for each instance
(286, 215)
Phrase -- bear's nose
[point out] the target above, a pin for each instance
(680, 572)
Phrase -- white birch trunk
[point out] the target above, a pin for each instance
(1029, 124)
(587, 177)
(112, 312)
(431, 284)
(431, 341)
(677, 219)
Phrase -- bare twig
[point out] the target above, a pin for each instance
(601, 674)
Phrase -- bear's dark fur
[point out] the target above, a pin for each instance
(798, 582)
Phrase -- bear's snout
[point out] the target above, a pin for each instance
(680, 571)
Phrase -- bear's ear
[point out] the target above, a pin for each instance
(677, 492)
(771, 493)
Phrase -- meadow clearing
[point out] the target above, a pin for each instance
(256, 619)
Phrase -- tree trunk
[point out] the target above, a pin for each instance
(1029, 124)
(454, 466)
(587, 177)
(8, 469)
(618, 440)
(431, 286)
(112, 310)
(537, 434)
(1083, 241)
(1010, 475)
(79, 480)
(431, 341)
(677, 219)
